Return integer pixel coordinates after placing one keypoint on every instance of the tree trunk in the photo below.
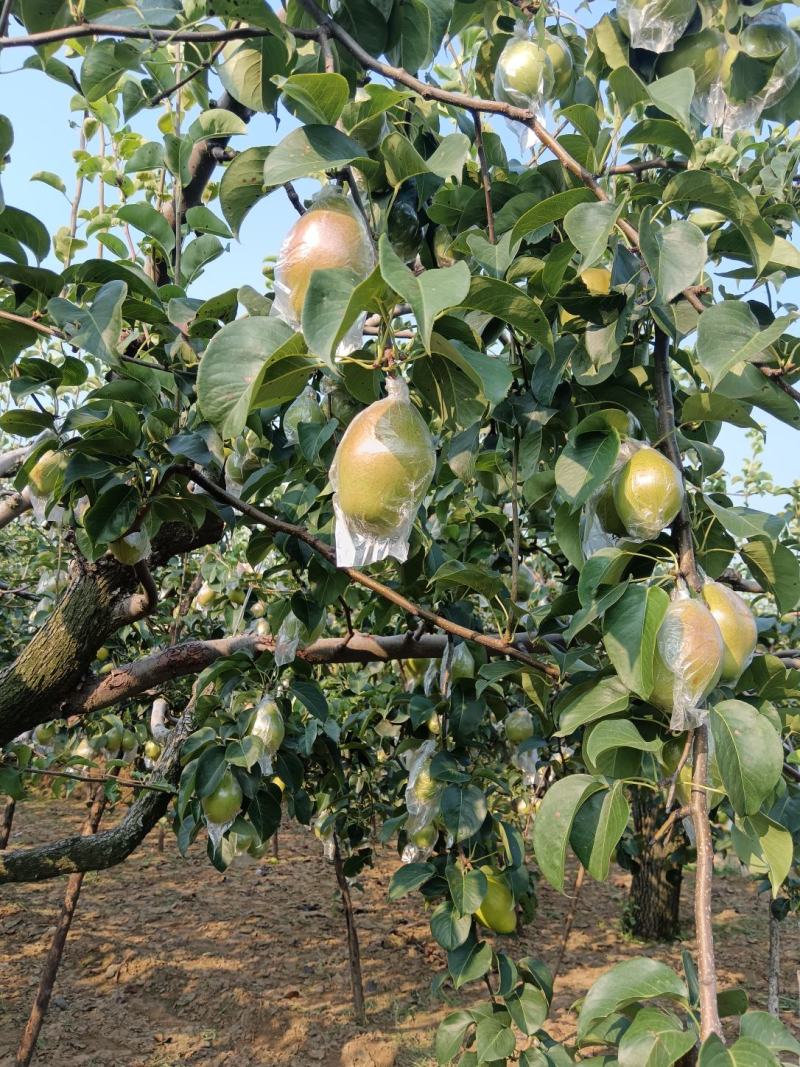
(774, 967)
(7, 821)
(353, 951)
(654, 899)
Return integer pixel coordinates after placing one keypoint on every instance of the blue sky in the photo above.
(44, 141)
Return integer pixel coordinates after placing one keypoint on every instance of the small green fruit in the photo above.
(225, 803)
(268, 725)
(128, 741)
(737, 626)
(426, 836)
(524, 73)
(648, 493)
(519, 726)
(46, 472)
(205, 595)
(497, 909)
(425, 786)
(102, 654)
(304, 409)
(642, 20)
(607, 514)
(44, 733)
(520, 805)
(131, 549)
(113, 739)
(152, 750)
(561, 57)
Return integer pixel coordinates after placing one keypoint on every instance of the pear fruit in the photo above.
(425, 785)
(607, 514)
(561, 58)
(330, 234)
(383, 465)
(648, 493)
(524, 73)
(304, 409)
(497, 909)
(131, 549)
(268, 725)
(689, 651)
(152, 750)
(426, 836)
(519, 725)
(642, 20)
(44, 733)
(769, 39)
(737, 626)
(45, 473)
(225, 803)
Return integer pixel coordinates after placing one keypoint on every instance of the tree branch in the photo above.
(145, 33)
(166, 93)
(100, 851)
(485, 178)
(299, 533)
(11, 461)
(14, 505)
(736, 581)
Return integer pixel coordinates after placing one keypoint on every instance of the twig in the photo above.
(8, 821)
(669, 822)
(324, 550)
(704, 931)
(145, 33)
(515, 533)
(353, 951)
(76, 200)
(128, 783)
(485, 177)
(774, 964)
(673, 779)
(294, 199)
(570, 919)
(186, 79)
(640, 166)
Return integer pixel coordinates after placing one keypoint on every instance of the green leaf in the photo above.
(730, 198)
(777, 569)
(469, 961)
(763, 1027)
(26, 229)
(248, 69)
(629, 635)
(749, 754)
(729, 333)
(584, 465)
(233, 370)
(48, 178)
(598, 828)
(765, 847)
(494, 1039)
(467, 887)
(511, 305)
(742, 1053)
(528, 1007)
(321, 96)
(112, 514)
(309, 150)
(589, 702)
(146, 218)
(654, 1039)
(96, 328)
(463, 809)
(714, 407)
(450, 1036)
(744, 522)
(103, 66)
(24, 423)
(625, 984)
(408, 878)
(242, 185)
(453, 574)
(661, 132)
(550, 210)
(675, 255)
(325, 308)
(449, 928)
(553, 824)
(589, 226)
(673, 95)
(429, 296)
(254, 12)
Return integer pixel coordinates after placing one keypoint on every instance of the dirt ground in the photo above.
(171, 964)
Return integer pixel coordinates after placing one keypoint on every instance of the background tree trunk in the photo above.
(653, 912)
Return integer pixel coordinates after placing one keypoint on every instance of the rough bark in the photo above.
(653, 912)
(7, 822)
(353, 951)
(774, 965)
(14, 505)
(97, 852)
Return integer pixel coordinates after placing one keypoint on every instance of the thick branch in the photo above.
(736, 581)
(299, 533)
(11, 507)
(99, 851)
(144, 33)
(11, 461)
(704, 932)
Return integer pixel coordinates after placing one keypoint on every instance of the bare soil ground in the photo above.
(171, 964)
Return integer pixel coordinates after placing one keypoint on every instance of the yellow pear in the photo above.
(689, 652)
(497, 909)
(648, 493)
(519, 725)
(737, 626)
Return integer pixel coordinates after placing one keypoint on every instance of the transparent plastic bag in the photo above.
(304, 409)
(524, 77)
(655, 495)
(526, 760)
(216, 831)
(456, 663)
(323, 829)
(688, 662)
(422, 803)
(768, 35)
(269, 728)
(380, 473)
(332, 233)
(288, 640)
(656, 25)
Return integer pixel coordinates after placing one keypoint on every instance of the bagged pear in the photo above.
(304, 409)
(737, 626)
(380, 474)
(525, 76)
(656, 25)
(331, 234)
(688, 660)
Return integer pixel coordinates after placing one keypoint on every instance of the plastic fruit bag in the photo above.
(380, 474)
(304, 409)
(688, 660)
(656, 25)
(288, 640)
(269, 728)
(332, 233)
(524, 77)
(422, 803)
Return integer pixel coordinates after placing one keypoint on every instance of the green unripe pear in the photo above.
(677, 13)
(648, 493)
(402, 227)
(44, 733)
(102, 654)
(152, 750)
(497, 909)
(45, 473)
(330, 235)
(225, 803)
(524, 73)
(132, 548)
(425, 786)
(702, 53)
(737, 626)
(434, 724)
(426, 836)
(128, 741)
(607, 514)
(205, 595)
(112, 740)
(520, 805)
(771, 40)
(688, 647)
(561, 57)
(383, 466)
(519, 726)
